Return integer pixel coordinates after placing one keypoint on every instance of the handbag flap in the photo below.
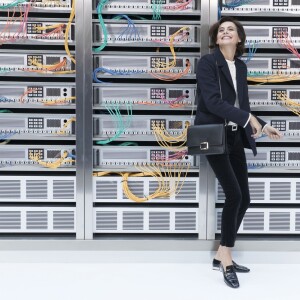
(212, 133)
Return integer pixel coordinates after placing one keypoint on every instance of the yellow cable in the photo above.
(72, 15)
(51, 165)
(64, 128)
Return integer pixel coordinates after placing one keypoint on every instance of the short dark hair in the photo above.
(213, 32)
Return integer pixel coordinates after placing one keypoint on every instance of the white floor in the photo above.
(143, 275)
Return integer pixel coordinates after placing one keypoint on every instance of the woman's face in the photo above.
(227, 35)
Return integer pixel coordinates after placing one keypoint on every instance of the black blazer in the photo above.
(211, 108)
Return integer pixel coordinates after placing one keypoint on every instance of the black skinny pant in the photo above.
(231, 171)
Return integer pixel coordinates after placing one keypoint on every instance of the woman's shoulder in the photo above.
(240, 63)
(208, 57)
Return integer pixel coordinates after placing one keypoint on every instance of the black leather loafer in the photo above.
(230, 277)
(237, 268)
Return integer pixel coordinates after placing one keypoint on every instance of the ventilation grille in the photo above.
(253, 221)
(297, 221)
(37, 220)
(188, 190)
(298, 191)
(269, 190)
(219, 220)
(133, 220)
(32, 219)
(257, 191)
(267, 221)
(10, 220)
(106, 220)
(146, 220)
(185, 221)
(280, 191)
(63, 220)
(153, 185)
(159, 221)
(106, 190)
(63, 189)
(136, 188)
(10, 189)
(279, 221)
(36, 189)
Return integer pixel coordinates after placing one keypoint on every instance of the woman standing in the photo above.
(222, 94)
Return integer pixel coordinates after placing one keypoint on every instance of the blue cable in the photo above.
(71, 155)
(4, 99)
(112, 72)
(130, 29)
(236, 3)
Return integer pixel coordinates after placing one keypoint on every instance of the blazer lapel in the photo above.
(223, 66)
(239, 82)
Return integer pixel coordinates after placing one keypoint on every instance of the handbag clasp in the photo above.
(204, 146)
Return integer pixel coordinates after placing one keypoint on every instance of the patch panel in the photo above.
(263, 8)
(268, 35)
(268, 190)
(271, 98)
(36, 32)
(126, 158)
(141, 127)
(146, 6)
(145, 220)
(143, 96)
(37, 95)
(145, 65)
(147, 33)
(31, 62)
(42, 5)
(37, 189)
(274, 160)
(109, 189)
(20, 157)
(267, 221)
(33, 126)
(273, 64)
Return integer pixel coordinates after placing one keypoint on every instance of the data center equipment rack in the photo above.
(144, 55)
(273, 40)
(38, 197)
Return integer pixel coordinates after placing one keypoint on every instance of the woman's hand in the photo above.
(256, 127)
(272, 132)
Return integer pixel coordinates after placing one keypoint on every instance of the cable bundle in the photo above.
(236, 3)
(66, 157)
(273, 78)
(160, 173)
(165, 139)
(115, 113)
(288, 103)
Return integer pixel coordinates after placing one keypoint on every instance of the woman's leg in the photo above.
(239, 164)
(224, 172)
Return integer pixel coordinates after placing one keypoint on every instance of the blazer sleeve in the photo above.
(262, 122)
(208, 84)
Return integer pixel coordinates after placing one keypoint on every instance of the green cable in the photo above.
(157, 7)
(13, 4)
(118, 121)
(5, 111)
(125, 144)
(102, 24)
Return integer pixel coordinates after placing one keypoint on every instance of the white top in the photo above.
(232, 69)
